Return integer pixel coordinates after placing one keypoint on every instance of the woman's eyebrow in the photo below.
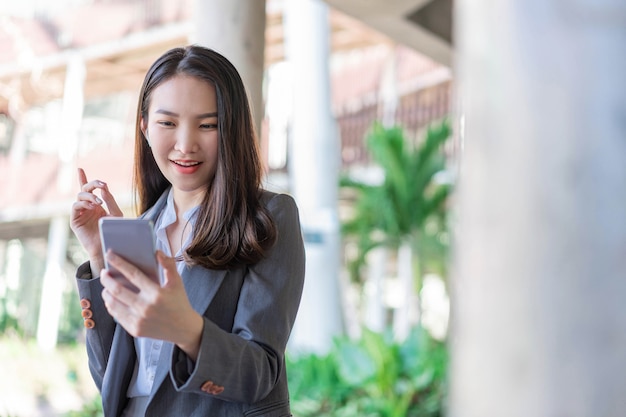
(173, 114)
(166, 112)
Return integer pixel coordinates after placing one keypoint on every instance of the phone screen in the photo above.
(133, 240)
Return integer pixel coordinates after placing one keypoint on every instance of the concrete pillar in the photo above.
(388, 90)
(375, 309)
(71, 120)
(67, 130)
(236, 29)
(538, 317)
(313, 169)
(53, 284)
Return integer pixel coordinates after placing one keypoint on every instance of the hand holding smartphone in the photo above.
(133, 240)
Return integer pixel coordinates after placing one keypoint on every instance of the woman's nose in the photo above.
(186, 141)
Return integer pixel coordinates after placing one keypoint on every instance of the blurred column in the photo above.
(53, 284)
(236, 29)
(313, 169)
(539, 289)
(68, 130)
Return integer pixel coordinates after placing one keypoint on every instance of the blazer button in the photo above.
(87, 313)
(207, 386)
(212, 388)
(89, 323)
(85, 303)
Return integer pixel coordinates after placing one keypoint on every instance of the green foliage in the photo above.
(372, 376)
(21, 282)
(8, 321)
(409, 205)
(71, 322)
(92, 408)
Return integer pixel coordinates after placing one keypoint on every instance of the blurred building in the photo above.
(70, 72)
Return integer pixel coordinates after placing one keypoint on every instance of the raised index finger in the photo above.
(82, 177)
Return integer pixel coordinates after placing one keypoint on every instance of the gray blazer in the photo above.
(248, 315)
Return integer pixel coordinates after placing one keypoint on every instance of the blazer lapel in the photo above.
(201, 286)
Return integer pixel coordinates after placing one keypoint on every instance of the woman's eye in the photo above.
(208, 126)
(166, 123)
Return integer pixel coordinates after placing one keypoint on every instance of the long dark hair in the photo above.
(232, 227)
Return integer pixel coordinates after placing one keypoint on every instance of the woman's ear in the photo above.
(144, 129)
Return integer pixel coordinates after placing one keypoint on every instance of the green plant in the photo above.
(8, 321)
(371, 376)
(91, 408)
(409, 205)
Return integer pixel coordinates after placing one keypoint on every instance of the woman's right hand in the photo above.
(86, 211)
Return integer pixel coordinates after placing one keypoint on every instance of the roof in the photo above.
(36, 51)
(34, 55)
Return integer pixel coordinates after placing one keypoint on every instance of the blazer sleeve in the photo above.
(99, 337)
(248, 361)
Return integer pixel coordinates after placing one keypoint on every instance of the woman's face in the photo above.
(182, 131)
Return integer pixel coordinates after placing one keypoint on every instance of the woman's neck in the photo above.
(185, 201)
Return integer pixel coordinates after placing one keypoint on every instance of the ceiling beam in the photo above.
(402, 22)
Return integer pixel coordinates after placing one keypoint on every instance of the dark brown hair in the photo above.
(232, 227)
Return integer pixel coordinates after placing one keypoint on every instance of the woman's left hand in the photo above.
(156, 311)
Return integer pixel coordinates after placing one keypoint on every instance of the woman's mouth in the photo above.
(186, 167)
(186, 163)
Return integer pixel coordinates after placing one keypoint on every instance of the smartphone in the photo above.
(133, 240)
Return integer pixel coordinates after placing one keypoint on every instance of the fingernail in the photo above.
(101, 184)
(98, 200)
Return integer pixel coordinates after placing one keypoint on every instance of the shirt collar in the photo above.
(168, 216)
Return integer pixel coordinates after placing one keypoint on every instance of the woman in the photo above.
(210, 340)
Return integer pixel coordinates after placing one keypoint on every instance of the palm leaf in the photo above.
(399, 206)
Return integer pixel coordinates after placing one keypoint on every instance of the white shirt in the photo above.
(149, 350)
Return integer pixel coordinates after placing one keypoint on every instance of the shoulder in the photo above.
(277, 203)
(283, 211)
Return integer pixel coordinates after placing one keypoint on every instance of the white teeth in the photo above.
(186, 164)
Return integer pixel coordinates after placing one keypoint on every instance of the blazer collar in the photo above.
(201, 286)
(154, 211)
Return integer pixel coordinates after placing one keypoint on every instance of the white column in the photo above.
(375, 309)
(53, 284)
(236, 29)
(313, 169)
(67, 130)
(539, 289)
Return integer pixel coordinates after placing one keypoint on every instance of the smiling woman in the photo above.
(181, 129)
(210, 338)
